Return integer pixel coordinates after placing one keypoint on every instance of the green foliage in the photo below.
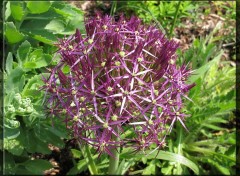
(162, 12)
(12, 34)
(27, 129)
(41, 21)
(31, 28)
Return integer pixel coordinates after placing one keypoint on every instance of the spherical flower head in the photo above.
(124, 75)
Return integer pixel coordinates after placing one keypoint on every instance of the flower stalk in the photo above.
(114, 161)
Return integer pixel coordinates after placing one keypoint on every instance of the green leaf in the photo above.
(9, 164)
(37, 59)
(10, 133)
(149, 170)
(124, 166)
(33, 144)
(66, 69)
(76, 153)
(23, 51)
(7, 11)
(59, 131)
(13, 80)
(33, 83)
(47, 136)
(55, 26)
(12, 34)
(38, 166)
(169, 156)
(9, 63)
(78, 168)
(36, 29)
(202, 70)
(17, 10)
(37, 7)
(43, 36)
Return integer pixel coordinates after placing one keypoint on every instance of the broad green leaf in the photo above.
(10, 133)
(17, 10)
(23, 51)
(38, 166)
(21, 170)
(12, 34)
(47, 136)
(37, 7)
(35, 29)
(44, 36)
(9, 164)
(13, 80)
(40, 62)
(33, 83)
(9, 63)
(55, 26)
(59, 131)
(32, 93)
(33, 144)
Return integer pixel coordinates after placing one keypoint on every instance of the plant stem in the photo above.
(175, 19)
(179, 170)
(114, 161)
(91, 164)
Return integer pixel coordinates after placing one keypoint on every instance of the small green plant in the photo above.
(30, 30)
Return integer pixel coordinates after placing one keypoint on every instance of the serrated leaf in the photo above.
(12, 34)
(55, 26)
(9, 63)
(37, 166)
(23, 51)
(36, 79)
(17, 10)
(37, 7)
(35, 29)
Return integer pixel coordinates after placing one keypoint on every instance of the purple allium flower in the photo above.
(123, 77)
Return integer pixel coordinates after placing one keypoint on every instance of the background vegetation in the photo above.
(35, 143)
